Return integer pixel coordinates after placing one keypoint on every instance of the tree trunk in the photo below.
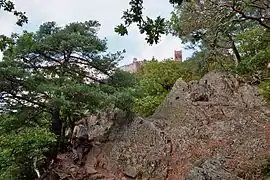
(56, 121)
(235, 51)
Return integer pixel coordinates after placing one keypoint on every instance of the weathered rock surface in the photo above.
(216, 128)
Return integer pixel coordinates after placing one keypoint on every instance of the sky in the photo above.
(108, 13)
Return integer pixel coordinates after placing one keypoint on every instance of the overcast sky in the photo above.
(108, 13)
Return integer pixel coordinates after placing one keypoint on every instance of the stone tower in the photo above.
(178, 56)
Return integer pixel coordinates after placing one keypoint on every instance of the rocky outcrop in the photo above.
(215, 128)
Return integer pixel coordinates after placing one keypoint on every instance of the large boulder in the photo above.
(214, 128)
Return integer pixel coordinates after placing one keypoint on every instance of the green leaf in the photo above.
(121, 30)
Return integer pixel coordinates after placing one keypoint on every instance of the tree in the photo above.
(152, 28)
(48, 80)
(257, 11)
(215, 26)
(156, 80)
(56, 61)
(222, 29)
(212, 27)
(24, 140)
(254, 45)
(9, 6)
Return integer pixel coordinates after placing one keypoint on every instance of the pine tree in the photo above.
(49, 79)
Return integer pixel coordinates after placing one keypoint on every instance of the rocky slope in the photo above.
(215, 128)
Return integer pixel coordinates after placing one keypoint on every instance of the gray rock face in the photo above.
(210, 169)
(215, 128)
(100, 125)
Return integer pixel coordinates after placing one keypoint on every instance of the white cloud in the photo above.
(5, 26)
(108, 13)
(164, 49)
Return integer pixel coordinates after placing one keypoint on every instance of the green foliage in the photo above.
(54, 64)
(254, 45)
(265, 89)
(147, 105)
(223, 14)
(164, 74)
(266, 168)
(152, 28)
(122, 87)
(9, 6)
(156, 80)
(122, 79)
(216, 27)
(21, 141)
(230, 39)
(49, 79)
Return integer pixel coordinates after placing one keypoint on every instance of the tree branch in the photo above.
(90, 64)
(27, 100)
(240, 12)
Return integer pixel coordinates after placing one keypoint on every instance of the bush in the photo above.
(20, 147)
(156, 80)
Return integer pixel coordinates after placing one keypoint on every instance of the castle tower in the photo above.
(135, 65)
(178, 56)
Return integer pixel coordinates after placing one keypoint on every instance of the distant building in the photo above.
(136, 65)
(133, 67)
(178, 56)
